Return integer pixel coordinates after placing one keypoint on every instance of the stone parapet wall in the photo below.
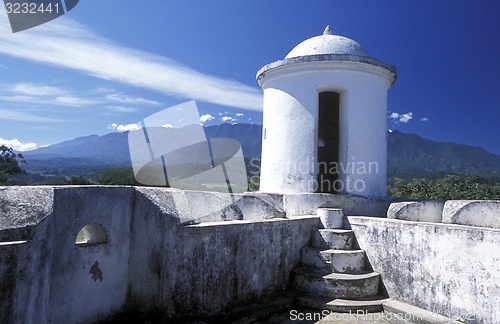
(449, 269)
(308, 203)
(144, 250)
(481, 213)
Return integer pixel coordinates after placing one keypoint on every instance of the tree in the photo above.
(9, 164)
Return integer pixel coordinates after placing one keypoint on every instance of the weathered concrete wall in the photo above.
(234, 262)
(307, 204)
(151, 259)
(482, 213)
(418, 211)
(24, 263)
(453, 270)
(188, 270)
(21, 209)
(156, 244)
(201, 206)
(93, 275)
(25, 278)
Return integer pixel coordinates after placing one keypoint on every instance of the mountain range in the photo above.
(409, 155)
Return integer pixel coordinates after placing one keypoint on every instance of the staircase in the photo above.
(333, 275)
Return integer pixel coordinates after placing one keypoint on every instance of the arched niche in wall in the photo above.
(92, 234)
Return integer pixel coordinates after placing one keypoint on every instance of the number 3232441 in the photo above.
(31, 8)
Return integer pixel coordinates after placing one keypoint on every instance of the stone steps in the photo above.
(336, 285)
(333, 274)
(333, 260)
(369, 304)
(332, 238)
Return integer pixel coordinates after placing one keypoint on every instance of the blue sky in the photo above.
(106, 65)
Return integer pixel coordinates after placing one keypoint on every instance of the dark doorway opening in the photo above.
(328, 142)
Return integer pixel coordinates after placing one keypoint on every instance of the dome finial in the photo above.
(328, 30)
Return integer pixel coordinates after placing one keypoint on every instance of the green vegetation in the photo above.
(9, 164)
(253, 173)
(117, 176)
(254, 184)
(110, 176)
(445, 187)
(77, 181)
(439, 186)
(80, 238)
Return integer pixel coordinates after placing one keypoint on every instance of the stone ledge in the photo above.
(414, 314)
(420, 211)
(23, 207)
(482, 213)
(245, 225)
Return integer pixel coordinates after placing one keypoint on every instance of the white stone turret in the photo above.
(325, 119)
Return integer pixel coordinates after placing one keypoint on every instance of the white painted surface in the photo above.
(332, 218)
(327, 44)
(482, 213)
(418, 211)
(307, 204)
(450, 269)
(290, 118)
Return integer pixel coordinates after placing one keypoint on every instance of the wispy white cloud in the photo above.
(39, 94)
(74, 101)
(67, 44)
(123, 128)
(228, 119)
(48, 101)
(31, 89)
(424, 119)
(20, 99)
(124, 109)
(17, 145)
(206, 117)
(239, 115)
(167, 126)
(7, 114)
(120, 97)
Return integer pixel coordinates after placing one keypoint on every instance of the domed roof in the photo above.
(333, 51)
(327, 44)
